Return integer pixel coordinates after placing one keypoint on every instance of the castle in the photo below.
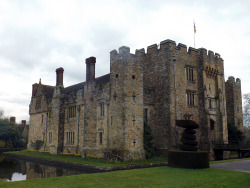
(161, 86)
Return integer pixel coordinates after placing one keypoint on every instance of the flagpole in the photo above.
(194, 33)
(194, 39)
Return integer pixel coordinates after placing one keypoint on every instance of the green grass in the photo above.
(148, 177)
(89, 160)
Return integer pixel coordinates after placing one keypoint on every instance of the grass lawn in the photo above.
(88, 160)
(148, 177)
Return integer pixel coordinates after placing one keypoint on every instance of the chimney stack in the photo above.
(59, 76)
(23, 123)
(13, 120)
(34, 89)
(90, 68)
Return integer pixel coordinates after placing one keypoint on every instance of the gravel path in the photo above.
(242, 166)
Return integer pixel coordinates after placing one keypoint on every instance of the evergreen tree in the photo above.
(10, 135)
(148, 140)
(234, 134)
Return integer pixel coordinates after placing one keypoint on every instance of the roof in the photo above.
(74, 87)
(102, 79)
(48, 90)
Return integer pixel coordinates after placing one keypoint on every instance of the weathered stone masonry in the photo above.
(164, 84)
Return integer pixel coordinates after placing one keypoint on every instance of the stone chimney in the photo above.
(59, 76)
(13, 120)
(34, 89)
(90, 68)
(23, 123)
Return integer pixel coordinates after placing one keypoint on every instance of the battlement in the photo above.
(166, 45)
(124, 50)
(238, 80)
(232, 80)
(140, 51)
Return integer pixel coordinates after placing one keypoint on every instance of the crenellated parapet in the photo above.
(232, 80)
(123, 52)
(170, 45)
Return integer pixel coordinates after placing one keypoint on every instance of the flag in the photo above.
(194, 28)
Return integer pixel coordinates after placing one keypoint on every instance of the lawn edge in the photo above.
(80, 166)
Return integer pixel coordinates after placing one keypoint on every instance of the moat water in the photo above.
(16, 170)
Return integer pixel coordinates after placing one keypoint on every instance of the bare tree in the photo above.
(246, 110)
(1, 113)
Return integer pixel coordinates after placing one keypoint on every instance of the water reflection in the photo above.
(16, 170)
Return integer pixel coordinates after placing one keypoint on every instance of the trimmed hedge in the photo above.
(188, 159)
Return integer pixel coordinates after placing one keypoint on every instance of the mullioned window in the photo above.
(189, 73)
(72, 112)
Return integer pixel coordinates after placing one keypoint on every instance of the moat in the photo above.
(16, 170)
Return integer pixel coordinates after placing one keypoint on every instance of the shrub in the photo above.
(114, 154)
(188, 159)
(148, 140)
(38, 144)
(2, 143)
(234, 134)
(10, 134)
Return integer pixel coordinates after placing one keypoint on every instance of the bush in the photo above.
(2, 144)
(10, 134)
(234, 134)
(38, 144)
(188, 159)
(114, 154)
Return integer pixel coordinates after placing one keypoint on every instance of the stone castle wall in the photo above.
(167, 83)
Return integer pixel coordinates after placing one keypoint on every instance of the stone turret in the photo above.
(234, 102)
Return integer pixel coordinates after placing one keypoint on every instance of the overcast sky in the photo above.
(38, 36)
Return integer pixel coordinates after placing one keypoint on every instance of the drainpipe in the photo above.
(108, 124)
(224, 107)
(45, 131)
(174, 60)
(78, 109)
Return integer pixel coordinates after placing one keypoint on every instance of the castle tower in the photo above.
(126, 103)
(234, 102)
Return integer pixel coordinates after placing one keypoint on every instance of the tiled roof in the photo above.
(48, 90)
(103, 79)
(74, 87)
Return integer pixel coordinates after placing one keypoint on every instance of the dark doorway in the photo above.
(212, 132)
